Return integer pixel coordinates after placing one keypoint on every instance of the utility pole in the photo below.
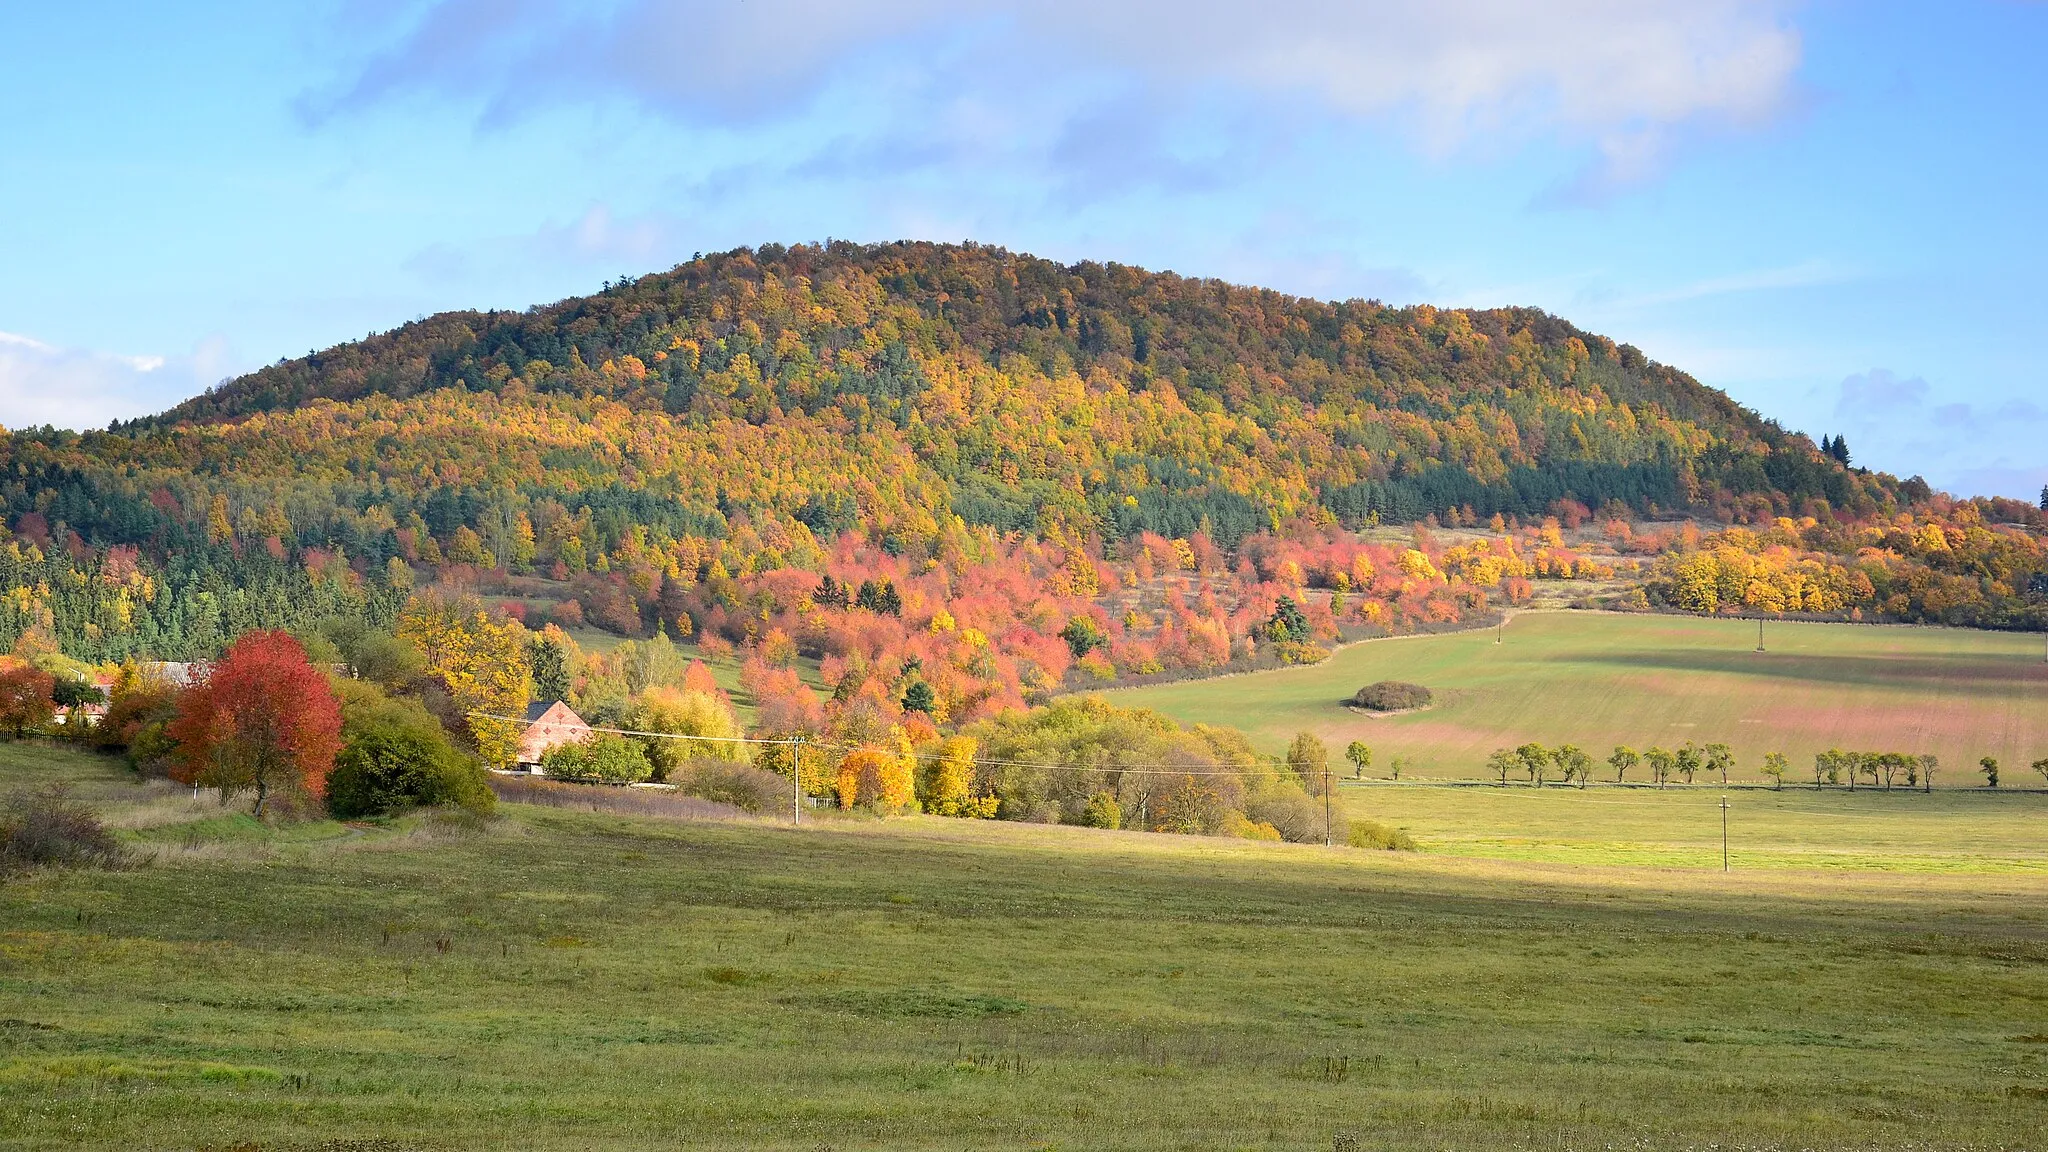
(1759, 633)
(796, 774)
(1724, 833)
(1326, 806)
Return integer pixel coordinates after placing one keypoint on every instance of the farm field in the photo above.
(1792, 830)
(565, 980)
(1598, 680)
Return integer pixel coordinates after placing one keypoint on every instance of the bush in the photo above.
(48, 828)
(743, 786)
(1391, 696)
(390, 766)
(1295, 814)
(600, 759)
(1384, 838)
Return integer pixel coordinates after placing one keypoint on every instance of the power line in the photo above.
(785, 742)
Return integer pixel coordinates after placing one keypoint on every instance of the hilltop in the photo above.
(971, 443)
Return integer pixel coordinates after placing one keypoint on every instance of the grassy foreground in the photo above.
(573, 980)
(1598, 680)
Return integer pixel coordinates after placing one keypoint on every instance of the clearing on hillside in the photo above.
(1598, 680)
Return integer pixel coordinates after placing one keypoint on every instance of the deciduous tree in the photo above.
(262, 720)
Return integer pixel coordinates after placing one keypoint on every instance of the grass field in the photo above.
(574, 980)
(1799, 830)
(1598, 680)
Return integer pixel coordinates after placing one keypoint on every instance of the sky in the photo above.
(1832, 210)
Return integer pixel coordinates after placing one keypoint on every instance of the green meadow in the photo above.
(569, 980)
(1598, 680)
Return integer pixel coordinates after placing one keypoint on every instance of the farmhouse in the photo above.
(549, 724)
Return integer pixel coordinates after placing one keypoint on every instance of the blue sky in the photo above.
(1831, 210)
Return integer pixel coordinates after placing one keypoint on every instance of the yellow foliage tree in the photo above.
(946, 781)
(880, 780)
(674, 712)
(481, 659)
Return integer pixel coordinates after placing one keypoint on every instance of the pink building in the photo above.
(549, 724)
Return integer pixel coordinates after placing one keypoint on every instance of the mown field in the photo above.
(1598, 680)
(579, 980)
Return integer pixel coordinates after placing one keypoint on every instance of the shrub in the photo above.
(1373, 834)
(47, 827)
(1391, 696)
(743, 786)
(391, 766)
(601, 759)
(1102, 812)
(1297, 816)
(135, 707)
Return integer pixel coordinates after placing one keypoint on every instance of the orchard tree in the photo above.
(26, 698)
(263, 720)
(1661, 761)
(1360, 757)
(1622, 759)
(1573, 762)
(1688, 761)
(1719, 758)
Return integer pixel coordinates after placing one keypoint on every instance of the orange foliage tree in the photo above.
(25, 698)
(264, 720)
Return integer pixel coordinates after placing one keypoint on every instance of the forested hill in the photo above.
(887, 385)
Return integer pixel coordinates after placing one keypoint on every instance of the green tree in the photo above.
(1360, 756)
(1688, 761)
(2041, 766)
(1502, 762)
(603, 759)
(1989, 766)
(1622, 759)
(1719, 758)
(919, 697)
(550, 668)
(1775, 766)
(1536, 759)
(1929, 764)
(1287, 624)
(1574, 764)
(1661, 761)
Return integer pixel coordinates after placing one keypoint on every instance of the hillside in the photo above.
(1022, 471)
(924, 378)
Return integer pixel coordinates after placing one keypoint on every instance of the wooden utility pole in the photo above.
(1759, 633)
(1724, 833)
(796, 774)
(1326, 806)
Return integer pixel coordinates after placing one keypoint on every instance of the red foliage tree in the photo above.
(25, 698)
(263, 720)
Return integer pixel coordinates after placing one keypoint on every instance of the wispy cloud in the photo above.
(1806, 274)
(1619, 79)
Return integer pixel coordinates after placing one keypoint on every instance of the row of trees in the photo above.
(1568, 763)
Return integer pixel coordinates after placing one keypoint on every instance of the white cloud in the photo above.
(1616, 78)
(80, 388)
